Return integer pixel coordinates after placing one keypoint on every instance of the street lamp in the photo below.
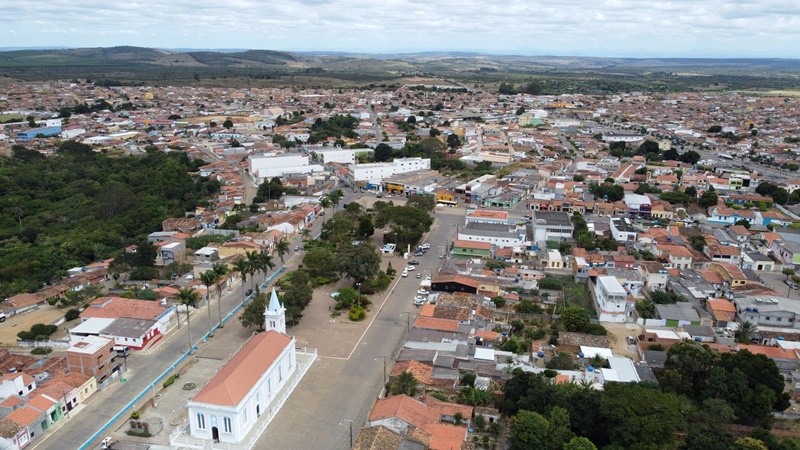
(350, 422)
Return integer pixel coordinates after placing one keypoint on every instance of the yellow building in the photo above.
(229, 249)
(446, 196)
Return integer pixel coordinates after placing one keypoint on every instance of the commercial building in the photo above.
(497, 234)
(27, 135)
(374, 173)
(340, 155)
(265, 166)
(622, 230)
(551, 226)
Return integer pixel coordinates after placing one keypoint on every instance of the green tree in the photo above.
(147, 294)
(743, 222)
(188, 297)
(579, 443)
(691, 192)
(748, 443)
(320, 261)
(383, 152)
(365, 227)
(708, 199)
(788, 271)
(698, 242)
(575, 318)
(253, 314)
(780, 196)
(528, 430)
(423, 202)
(358, 262)
(453, 142)
(641, 418)
(228, 123)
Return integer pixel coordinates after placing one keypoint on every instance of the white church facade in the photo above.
(255, 381)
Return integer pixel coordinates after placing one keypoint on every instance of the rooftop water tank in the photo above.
(540, 354)
(590, 369)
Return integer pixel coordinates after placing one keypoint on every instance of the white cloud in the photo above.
(768, 28)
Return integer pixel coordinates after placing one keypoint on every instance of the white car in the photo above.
(425, 246)
(420, 298)
(419, 302)
(405, 273)
(428, 278)
(423, 292)
(410, 268)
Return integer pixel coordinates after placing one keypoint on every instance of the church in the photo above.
(229, 405)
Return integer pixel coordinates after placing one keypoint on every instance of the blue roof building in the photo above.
(27, 135)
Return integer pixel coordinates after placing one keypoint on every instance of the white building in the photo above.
(551, 226)
(340, 155)
(375, 172)
(622, 137)
(612, 300)
(229, 406)
(499, 235)
(265, 166)
(72, 132)
(622, 230)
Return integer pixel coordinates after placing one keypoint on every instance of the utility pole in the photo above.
(351, 432)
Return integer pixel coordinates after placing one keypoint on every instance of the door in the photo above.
(215, 434)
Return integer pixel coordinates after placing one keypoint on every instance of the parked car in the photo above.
(296, 247)
(791, 284)
(419, 302)
(248, 292)
(428, 278)
(410, 268)
(423, 292)
(425, 246)
(419, 253)
(335, 294)
(419, 275)
(405, 273)
(413, 262)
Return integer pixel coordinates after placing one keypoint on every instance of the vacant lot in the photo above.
(6, 117)
(23, 322)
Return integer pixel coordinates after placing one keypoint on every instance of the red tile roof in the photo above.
(436, 324)
(114, 307)
(240, 374)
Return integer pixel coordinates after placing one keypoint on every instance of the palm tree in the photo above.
(334, 196)
(252, 262)
(745, 330)
(305, 233)
(788, 271)
(325, 203)
(266, 263)
(405, 383)
(220, 269)
(282, 248)
(208, 278)
(188, 297)
(242, 267)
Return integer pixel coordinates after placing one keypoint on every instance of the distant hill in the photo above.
(267, 67)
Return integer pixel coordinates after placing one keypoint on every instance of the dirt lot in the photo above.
(24, 321)
(616, 335)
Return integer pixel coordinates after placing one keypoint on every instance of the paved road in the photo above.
(338, 390)
(142, 370)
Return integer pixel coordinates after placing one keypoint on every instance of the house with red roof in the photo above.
(403, 415)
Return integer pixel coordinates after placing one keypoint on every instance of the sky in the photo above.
(617, 28)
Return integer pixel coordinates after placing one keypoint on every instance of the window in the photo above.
(226, 423)
(201, 421)
(244, 414)
(280, 372)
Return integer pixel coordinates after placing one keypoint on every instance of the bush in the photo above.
(135, 415)
(170, 381)
(41, 351)
(138, 433)
(595, 329)
(553, 340)
(499, 301)
(357, 313)
(39, 331)
(656, 347)
(550, 373)
(72, 314)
